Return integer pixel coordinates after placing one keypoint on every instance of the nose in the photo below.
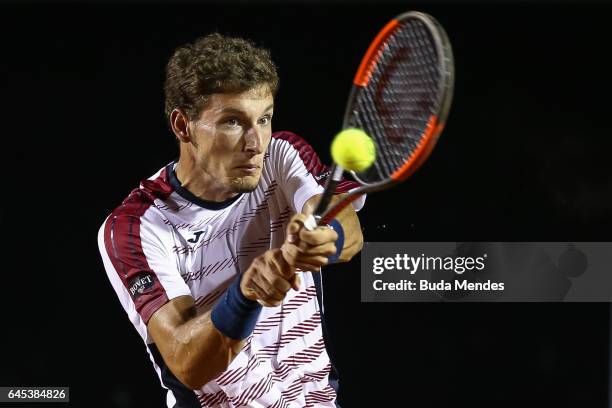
(252, 141)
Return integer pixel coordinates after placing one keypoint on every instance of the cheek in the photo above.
(266, 139)
(222, 144)
(229, 142)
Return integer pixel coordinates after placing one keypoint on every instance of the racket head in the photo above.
(401, 96)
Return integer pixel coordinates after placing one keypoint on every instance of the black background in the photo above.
(525, 156)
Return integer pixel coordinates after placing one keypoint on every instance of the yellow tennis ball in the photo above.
(353, 149)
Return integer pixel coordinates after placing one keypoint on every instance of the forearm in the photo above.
(198, 348)
(200, 352)
(192, 347)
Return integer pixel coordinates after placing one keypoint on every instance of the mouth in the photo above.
(248, 168)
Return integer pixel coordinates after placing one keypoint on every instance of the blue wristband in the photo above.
(234, 315)
(339, 242)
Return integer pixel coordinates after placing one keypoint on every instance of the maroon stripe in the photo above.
(208, 298)
(298, 300)
(307, 355)
(289, 394)
(255, 391)
(124, 247)
(264, 385)
(299, 330)
(346, 185)
(328, 394)
(216, 267)
(210, 399)
(295, 389)
(317, 376)
(306, 152)
(212, 300)
(278, 375)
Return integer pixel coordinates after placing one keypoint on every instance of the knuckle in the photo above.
(330, 249)
(267, 303)
(295, 249)
(318, 261)
(258, 261)
(277, 281)
(276, 297)
(264, 259)
(271, 298)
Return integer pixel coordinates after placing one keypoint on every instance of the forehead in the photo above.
(253, 101)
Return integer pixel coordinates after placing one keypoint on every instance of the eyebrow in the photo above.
(240, 111)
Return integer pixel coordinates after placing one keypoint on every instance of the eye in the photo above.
(232, 122)
(265, 120)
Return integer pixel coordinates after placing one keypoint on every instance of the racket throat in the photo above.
(330, 188)
(336, 173)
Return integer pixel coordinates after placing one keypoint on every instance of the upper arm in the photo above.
(141, 270)
(136, 248)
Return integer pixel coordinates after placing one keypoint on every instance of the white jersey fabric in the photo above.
(162, 242)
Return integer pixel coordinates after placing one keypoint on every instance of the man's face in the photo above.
(230, 137)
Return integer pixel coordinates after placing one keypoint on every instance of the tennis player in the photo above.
(209, 257)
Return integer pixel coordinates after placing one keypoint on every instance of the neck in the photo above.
(200, 183)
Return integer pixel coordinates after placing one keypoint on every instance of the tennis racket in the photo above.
(401, 96)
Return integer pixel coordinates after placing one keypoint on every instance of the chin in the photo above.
(245, 184)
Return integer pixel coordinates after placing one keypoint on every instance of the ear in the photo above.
(179, 122)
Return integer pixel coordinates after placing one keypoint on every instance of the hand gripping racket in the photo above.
(401, 96)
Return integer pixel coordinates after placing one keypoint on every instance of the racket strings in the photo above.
(383, 165)
(412, 86)
(396, 105)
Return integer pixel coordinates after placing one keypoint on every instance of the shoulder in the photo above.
(289, 140)
(139, 207)
(296, 150)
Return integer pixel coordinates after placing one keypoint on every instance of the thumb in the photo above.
(294, 227)
(295, 282)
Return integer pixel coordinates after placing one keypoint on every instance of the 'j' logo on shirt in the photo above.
(197, 236)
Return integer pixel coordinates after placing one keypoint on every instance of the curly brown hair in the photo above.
(215, 64)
